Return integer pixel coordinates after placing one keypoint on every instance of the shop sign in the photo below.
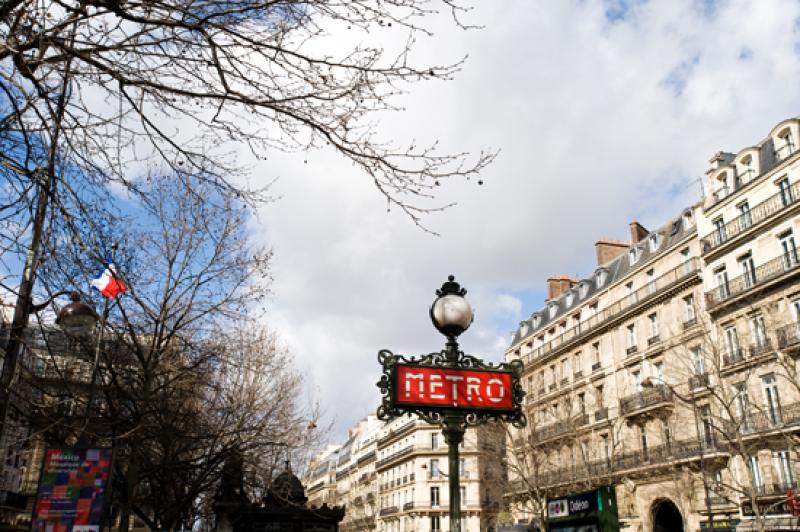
(719, 525)
(574, 504)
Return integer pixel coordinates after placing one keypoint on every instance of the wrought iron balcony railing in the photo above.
(650, 397)
(754, 216)
(770, 270)
(766, 420)
(788, 335)
(700, 380)
(618, 308)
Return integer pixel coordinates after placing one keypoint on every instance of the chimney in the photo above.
(608, 250)
(638, 232)
(557, 285)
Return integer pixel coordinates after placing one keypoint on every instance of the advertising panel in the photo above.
(72, 490)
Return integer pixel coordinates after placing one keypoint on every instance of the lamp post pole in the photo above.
(453, 431)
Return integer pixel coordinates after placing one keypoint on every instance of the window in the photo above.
(796, 310)
(698, 364)
(658, 372)
(686, 261)
(564, 369)
(463, 498)
(655, 241)
(600, 278)
(651, 281)
(633, 255)
(434, 467)
(606, 448)
(578, 366)
(576, 320)
(435, 496)
(435, 526)
(596, 354)
(755, 472)
(643, 439)
(759, 332)
(688, 305)
(582, 403)
(636, 380)
(435, 438)
(462, 467)
(570, 297)
(745, 217)
(771, 400)
(688, 219)
(747, 171)
(748, 269)
(552, 309)
(785, 191)
(786, 145)
(742, 403)
(789, 249)
(631, 335)
(720, 234)
(783, 465)
(598, 395)
(653, 320)
(707, 425)
(723, 290)
(732, 340)
(631, 297)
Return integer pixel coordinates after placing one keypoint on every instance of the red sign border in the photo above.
(427, 407)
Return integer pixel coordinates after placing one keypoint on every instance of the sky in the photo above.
(603, 112)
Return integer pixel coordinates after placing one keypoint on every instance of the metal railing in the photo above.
(392, 457)
(595, 366)
(659, 393)
(768, 271)
(617, 308)
(653, 340)
(408, 506)
(757, 214)
(601, 414)
(559, 428)
(788, 335)
(733, 356)
(389, 510)
(631, 350)
(699, 380)
(756, 421)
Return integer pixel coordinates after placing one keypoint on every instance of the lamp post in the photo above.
(449, 388)
(451, 314)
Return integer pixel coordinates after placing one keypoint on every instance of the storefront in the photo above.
(591, 511)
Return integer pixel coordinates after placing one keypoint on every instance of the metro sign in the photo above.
(422, 386)
(431, 387)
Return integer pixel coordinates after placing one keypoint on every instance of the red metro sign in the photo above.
(471, 389)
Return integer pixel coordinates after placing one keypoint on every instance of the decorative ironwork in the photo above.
(436, 414)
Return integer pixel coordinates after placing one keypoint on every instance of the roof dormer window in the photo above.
(523, 328)
(746, 170)
(688, 219)
(633, 255)
(570, 298)
(552, 308)
(655, 241)
(600, 278)
(583, 289)
(537, 320)
(786, 144)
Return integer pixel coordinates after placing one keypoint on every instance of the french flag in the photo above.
(109, 284)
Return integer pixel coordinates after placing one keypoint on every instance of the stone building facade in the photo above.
(392, 477)
(671, 372)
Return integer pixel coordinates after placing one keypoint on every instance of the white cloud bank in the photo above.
(604, 112)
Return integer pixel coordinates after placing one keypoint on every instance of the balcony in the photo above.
(601, 414)
(653, 340)
(788, 335)
(688, 324)
(769, 271)
(651, 398)
(559, 428)
(389, 510)
(619, 308)
(552, 387)
(564, 381)
(761, 420)
(732, 357)
(578, 374)
(595, 366)
(760, 212)
(699, 380)
(631, 350)
(395, 456)
(408, 506)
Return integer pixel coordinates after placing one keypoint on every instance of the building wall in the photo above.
(394, 479)
(663, 377)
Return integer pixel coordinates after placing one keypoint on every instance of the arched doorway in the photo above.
(667, 517)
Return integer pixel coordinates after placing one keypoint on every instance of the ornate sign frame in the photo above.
(436, 413)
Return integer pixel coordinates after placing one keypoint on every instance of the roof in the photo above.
(669, 234)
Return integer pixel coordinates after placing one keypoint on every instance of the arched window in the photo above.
(570, 297)
(633, 255)
(688, 219)
(523, 328)
(785, 145)
(583, 289)
(537, 319)
(552, 309)
(600, 277)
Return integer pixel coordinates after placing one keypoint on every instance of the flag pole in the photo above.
(82, 439)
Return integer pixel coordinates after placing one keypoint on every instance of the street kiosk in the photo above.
(591, 511)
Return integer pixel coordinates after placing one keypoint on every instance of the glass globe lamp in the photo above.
(451, 314)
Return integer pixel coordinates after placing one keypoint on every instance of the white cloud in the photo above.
(600, 121)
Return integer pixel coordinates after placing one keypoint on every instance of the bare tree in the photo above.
(184, 380)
